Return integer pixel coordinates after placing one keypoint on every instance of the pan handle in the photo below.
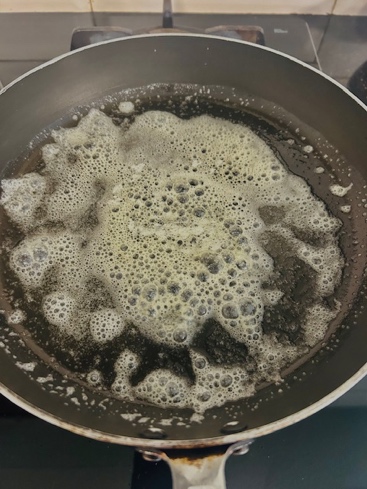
(200, 471)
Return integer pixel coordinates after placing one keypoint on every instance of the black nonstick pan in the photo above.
(290, 99)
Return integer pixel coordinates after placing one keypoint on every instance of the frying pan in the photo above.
(295, 96)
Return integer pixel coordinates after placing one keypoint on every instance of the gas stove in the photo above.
(291, 35)
(327, 450)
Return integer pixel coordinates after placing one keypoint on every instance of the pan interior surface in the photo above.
(47, 373)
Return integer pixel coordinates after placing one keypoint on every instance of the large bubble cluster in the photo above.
(169, 215)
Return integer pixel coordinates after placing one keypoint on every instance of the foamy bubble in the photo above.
(31, 259)
(22, 197)
(346, 208)
(340, 191)
(58, 308)
(214, 386)
(272, 297)
(125, 366)
(162, 387)
(159, 225)
(318, 318)
(126, 107)
(16, 317)
(105, 325)
(94, 378)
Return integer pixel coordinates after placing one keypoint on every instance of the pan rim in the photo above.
(185, 34)
(188, 443)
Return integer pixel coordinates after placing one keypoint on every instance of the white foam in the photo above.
(16, 317)
(59, 308)
(272, 297)
(340, 191)
(346, 208)
(214, 386)
(106, 324)
(162, 387)
(28, 366)
(38, 253)
(130, 416)
(167, 216)
(318, 319)
(43, 380)
(125, 366)
(22, 197)
(94, 377)
(126, 107)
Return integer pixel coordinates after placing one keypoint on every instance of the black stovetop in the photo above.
(325, 451)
